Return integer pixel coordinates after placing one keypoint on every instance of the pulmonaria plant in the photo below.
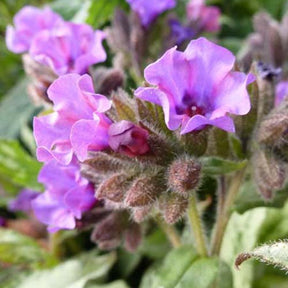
(281, 92)
(66, 197)
(23, 200)
(78, 123)
(197, 87)
(29, 22)
(148, 11)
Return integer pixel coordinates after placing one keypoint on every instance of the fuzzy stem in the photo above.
(170, 232)
(197, 225)
(224, 211)
(54, 245)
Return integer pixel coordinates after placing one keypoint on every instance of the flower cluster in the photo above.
(63, 46)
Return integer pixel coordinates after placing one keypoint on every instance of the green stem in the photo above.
(54, 245)
(197, 226)
(170, 232)
(224, 212)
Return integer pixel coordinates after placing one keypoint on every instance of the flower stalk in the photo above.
(197, 225)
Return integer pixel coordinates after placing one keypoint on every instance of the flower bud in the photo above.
(269, 173)
(184, 175)
(141, 213)
(109, 244)
(114, 188)
(128, 139)
(143, 191)
(132, 237)
(174, 207)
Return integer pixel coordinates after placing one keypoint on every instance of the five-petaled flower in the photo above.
(29, 22)
(197, 87)
(78, 123)
(66, 197)
(148, 11)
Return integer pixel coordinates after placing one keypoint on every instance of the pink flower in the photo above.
(28, 22)
(69, 48)
(148, 10)
(281, 92)
(127, 138)
(66, 197)
(78, 124)
(197, 87)
(206, 17)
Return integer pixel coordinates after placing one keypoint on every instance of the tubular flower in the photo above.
(197, 87)
(148, 11)
(206, 17)
(281, 92)
(28, 22)
(78, 123)
(23, 200)
(66, 197)
(71, 48)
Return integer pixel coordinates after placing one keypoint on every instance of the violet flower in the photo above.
(28, 22)
(148, 11)
(179, 32)
(23, 200)
(197, 87)
(78, 123)
(206, 17)
(127, 138)
(281, 92)
(66, 197)
(71, 48)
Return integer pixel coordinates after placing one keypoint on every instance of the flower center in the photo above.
(193, 110)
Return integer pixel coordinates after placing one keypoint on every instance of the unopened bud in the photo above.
(109, 244)
(196, 141)
(111, 228)
(108, 80)
(141, 213)
(184, 175)
(272, 128)
(143, 191)
(132, 237)
(174, 207)
(114, 188)
(269, 174)
(128, 139)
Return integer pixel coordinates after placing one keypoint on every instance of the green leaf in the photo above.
(16, 248)
(102, 10)
(17, 166)
(242, 235)
(219, 166)
(73, 273)
(275, 254)
(172, 269)
(115, 284)
(248, 198)
(15, 109)
(67, 8)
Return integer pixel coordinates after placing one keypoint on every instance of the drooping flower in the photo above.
(66, 197)
(71, 48)
(281, 92)
(28, 22)
(127, 138)
(148, 11)
(23, 200)
(197, 87)
(206, 17)
(78, 123)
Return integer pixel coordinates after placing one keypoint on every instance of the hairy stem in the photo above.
(224, 210)
(197, 225)
(170, 232)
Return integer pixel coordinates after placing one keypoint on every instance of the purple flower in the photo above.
(179, 32)
(206, 17)
(71, 48)
(66, 197)
(281, 92)
(28, 22)
(197, 87)
(148, 11)
(78, 123)
(127, 138)
(23, 200)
